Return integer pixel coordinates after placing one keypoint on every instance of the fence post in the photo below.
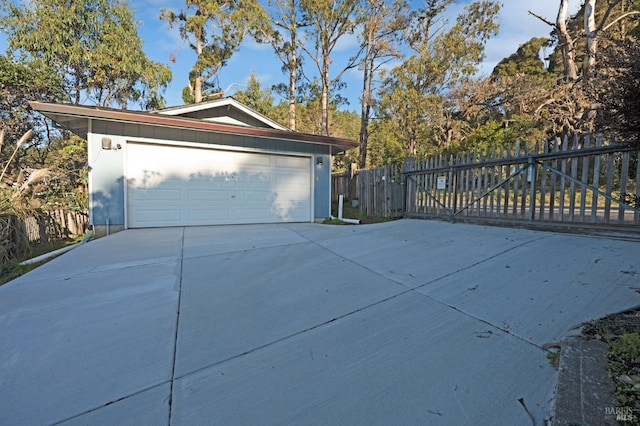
(531, 177)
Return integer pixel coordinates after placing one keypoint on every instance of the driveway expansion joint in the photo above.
(415, 289)
(91, 410)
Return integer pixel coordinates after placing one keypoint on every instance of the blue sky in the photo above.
(516, 27)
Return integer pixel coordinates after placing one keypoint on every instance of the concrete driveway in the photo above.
(406, 322)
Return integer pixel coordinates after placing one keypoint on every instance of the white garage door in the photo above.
(180, 186)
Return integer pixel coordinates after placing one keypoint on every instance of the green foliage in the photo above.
(329, 21)
(255, 97)
(497, 135)
(413, 98)
(624, 359)
(13, 269)
(90, 45)
(214, 30)
(21, 82)
(68, 187)
(385, 146)
(526, 61)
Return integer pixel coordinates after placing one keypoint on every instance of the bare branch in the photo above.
(545, 20)
(618, 19)
(544, 104)
(610, 7)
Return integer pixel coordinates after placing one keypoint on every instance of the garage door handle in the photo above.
(233, 196)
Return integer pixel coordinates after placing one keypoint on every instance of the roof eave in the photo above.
(76, 114)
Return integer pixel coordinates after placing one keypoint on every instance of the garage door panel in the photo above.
(300, 163)
(208, 216)
(156, 217)
(207, 195)
(253, 215)
(156, 195)
(262, 161)
(177, 186)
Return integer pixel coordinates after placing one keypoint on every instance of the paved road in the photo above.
(407, 322)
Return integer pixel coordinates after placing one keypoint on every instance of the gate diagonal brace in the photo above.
(587, 186)
(433, 197)
(493, 188)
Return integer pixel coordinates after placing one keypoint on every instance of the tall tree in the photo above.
(282, 32)
(615, 12)
(19, 84)
(520, 83)
(595, 28)
(214, 30)
(329, 21)
(92, 44)
(381, 37)
(413, 97)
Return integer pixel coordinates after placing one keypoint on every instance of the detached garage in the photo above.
(213, 163)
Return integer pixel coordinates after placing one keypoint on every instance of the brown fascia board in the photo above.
(154, 119)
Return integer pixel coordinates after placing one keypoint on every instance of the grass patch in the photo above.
(53, 245)
(622, 333)
(554, 359)
(350, 212)
(13, 269)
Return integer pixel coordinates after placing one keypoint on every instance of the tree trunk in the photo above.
(197, 84)
(566, 43)
(413, 146)
(293, 66)
(592, 41)
(325, 94)
(367, 89)
(197, 90)
(364, 134)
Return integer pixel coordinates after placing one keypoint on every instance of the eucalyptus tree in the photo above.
(414, 94)
(381, 38)
(282, 32)
(583, 31)
(573, 105)
(93, 45)
(214, 30)
(328, 22)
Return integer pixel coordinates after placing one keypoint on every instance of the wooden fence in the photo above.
(55, 224)
(17, 235)
(589, 182)
(579, 181)
(379, 191)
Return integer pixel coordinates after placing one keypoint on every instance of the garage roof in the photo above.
(75, 118)
(217, 104)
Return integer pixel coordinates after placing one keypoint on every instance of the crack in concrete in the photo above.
(175, 341)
